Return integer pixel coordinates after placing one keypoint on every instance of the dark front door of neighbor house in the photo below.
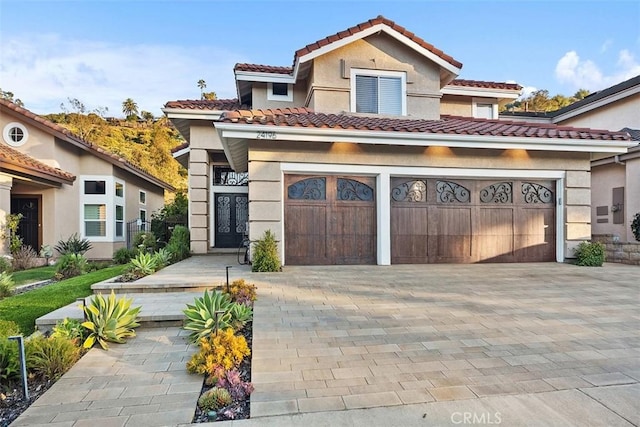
(232, 214)
(29, 227)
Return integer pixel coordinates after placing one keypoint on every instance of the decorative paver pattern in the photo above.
(386, 336)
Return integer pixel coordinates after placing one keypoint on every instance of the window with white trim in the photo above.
(142, 217)
(378, 92)
(142, 197)
(280, 92)
(102, 211)
(484, 110)
(15, 134)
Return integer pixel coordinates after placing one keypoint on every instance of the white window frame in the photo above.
(273, 97)
(110, 200)
(6, 134)
(143, 223)
(484, 101)
(378, 73)
(142, 194)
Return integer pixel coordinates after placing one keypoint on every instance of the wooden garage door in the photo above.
(465, 221)
(329, 220)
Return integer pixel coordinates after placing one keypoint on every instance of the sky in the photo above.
(102, 52)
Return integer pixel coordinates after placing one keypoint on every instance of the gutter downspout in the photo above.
(616, 160)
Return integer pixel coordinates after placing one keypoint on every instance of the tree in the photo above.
(10, 97)
(80, 121)
(202, 84)
(210, 96)
(130, 108)
(581, 94)
(147, 116)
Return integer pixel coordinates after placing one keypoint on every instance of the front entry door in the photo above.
(29, 226)
(232, 214)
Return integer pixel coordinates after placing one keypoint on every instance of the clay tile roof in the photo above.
(368, 24)
(206, 104)
(451, 125)
(71, 137)
(485, 84)
(11, 157)
(258, 68)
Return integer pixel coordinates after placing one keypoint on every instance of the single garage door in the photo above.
(465, 221)
(330, 220)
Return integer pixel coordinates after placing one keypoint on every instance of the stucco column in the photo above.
(6, 182)
(383, 206)
(199, 200)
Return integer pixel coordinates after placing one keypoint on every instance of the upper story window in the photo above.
(378, 92)
(119, 189)
(95, 187)
(142, 197)
(15, 134)
(484, 110)
(280, 92)
(223, 175)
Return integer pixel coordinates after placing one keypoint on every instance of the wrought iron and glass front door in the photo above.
(232, 214)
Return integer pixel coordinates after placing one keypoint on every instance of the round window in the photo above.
(15, 134)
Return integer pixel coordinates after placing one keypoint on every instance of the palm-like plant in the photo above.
(202, 84)
(129, 107)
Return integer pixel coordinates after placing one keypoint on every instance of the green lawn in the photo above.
(25, 308)
(33, 275)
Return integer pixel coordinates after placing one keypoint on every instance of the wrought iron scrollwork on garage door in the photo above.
(500, 192)
(451, 192)
(308, 189)
(410, 191)
(350, 189)
(536, 193)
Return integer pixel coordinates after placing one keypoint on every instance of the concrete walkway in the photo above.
(530, 344)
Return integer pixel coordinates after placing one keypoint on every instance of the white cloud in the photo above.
(578, 73)
(44, 70)
(606, 45)
(526, 91)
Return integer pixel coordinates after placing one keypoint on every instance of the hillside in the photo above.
(146, 144)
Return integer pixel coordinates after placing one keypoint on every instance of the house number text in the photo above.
(266, 135)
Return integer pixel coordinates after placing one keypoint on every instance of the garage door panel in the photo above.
(495, 234)
(306, 226)
(536, 236)
(453, 234)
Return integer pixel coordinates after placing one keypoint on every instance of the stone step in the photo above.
(157, 310)
(147, 287)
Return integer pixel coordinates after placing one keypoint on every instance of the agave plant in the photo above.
(201, 317)
(162, 257)
(109, 320)
(144, 264)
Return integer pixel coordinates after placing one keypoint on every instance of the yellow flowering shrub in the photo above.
(224, 349)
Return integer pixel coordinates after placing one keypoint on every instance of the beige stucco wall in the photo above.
(259, 99)
(605, 178)
(330, 81)
(6, 183)
(456, 106)
(265, 186)
(614, 116)
(199, 184)
(204, 135)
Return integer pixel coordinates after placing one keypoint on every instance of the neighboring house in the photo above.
(62, 185)
(615, 179)
(368, 150)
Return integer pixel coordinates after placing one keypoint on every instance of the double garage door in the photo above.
(332, 220)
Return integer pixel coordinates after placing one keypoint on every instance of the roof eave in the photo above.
(481, 92)
(232, 133)
(560, 116)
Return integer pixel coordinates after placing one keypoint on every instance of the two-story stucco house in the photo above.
(368, 149)
(62, 185)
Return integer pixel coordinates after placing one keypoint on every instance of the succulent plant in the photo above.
(109, 320)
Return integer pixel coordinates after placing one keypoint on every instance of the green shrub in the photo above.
(70, 329)
(97, 265)
(145, 241)
(109, 320)
(173, 213)
(201, 314)
(214, 399)
(10, 233)
(180, 244)
(51, 357)
(124, 255)
(6, 285)
(590, 254)
(635, 226)
(8, 328)
(70, 265)
(5, 264)
(9, 363)
(73, 245)
(265, 254)
(24, 258)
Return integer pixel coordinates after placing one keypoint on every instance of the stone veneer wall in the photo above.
(616, 251)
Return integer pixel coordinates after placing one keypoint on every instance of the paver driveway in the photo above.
(333, 338)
